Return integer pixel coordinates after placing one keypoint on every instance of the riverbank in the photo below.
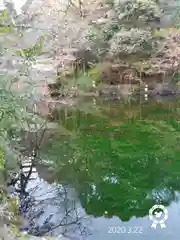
(160, 72)
(71, 70)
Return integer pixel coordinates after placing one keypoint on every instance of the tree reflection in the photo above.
(49, 209)
(53, 213)
(121, 168)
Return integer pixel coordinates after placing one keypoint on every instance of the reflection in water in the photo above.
(49, 209)
(121, 158)
(53, 210)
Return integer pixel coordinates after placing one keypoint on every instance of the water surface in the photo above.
(121, 158)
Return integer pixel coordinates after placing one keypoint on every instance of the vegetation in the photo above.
(141, 35)
(16, 115)
(128, 29)
(16, 110)
(138, 34)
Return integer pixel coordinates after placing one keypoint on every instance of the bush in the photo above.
(137, 11)
(96, 40)
(128, 29)
(131, 41)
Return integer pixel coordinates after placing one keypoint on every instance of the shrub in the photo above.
(131, 41)
(137, 11)
(128, 29)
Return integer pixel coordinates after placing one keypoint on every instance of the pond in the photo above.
(120, 159)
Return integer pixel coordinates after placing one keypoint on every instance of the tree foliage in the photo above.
(128, 28)
(137, 12)
(130, 42)
(16, 113)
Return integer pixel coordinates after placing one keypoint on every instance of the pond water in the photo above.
(121, 158)
(111, 162)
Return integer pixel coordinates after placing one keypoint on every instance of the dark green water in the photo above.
(122, 158)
